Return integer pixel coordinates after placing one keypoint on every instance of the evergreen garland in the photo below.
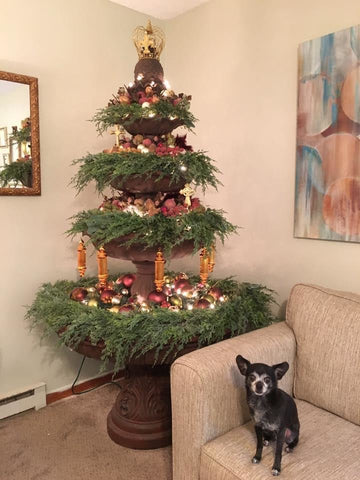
(125, 114)
(105, 167)
(136, 333)
(19, 172)
(201, 227)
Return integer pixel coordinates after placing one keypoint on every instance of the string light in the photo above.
(131, 84)
(140, 77)
(167, 84)
(183, 168)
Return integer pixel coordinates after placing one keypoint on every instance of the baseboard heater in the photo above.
(20, 401)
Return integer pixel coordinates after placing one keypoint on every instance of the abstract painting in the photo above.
(327, 196)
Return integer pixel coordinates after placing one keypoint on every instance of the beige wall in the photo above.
(81, 51)
(238, 58)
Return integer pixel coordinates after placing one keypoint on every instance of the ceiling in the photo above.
(162, 9)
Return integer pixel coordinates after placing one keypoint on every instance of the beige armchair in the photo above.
(212, 436)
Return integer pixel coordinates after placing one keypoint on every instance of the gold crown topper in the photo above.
(149, 41)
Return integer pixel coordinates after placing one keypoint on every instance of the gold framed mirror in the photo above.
(19, 135)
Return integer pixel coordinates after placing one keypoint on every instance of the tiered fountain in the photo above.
(151, 215)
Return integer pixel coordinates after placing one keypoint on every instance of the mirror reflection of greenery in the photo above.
(16, 174)
(22, 135)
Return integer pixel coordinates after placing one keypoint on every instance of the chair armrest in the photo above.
(208, 395)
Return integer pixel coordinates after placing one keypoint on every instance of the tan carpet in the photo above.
(68, 439)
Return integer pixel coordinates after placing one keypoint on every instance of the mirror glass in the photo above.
(19, 150)
(15, 134)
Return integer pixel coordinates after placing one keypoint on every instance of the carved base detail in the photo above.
(141, 415)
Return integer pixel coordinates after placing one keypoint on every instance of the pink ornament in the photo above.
(147, 142)
(169, 203)
(128, 280)
(167, 290)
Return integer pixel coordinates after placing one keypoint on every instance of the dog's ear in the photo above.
(243, 364)
(280, 369)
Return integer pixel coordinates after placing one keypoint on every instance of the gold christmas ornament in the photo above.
(81, 258)
(102, 266)
(212, 258)
(159, 271)
(187, 191)
(149, 41)
(204, 265)
(92, 302)
(114, 309)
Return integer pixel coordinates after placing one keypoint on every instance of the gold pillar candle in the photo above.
(102, 266)
(211, 258)
(159, 271)
(81, 258)
(204, 265)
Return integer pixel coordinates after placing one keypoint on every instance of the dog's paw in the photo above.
(266, 443)
(255, 460)
(275, 472)
(288, 449)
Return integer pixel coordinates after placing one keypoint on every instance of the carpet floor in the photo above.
(68, 439)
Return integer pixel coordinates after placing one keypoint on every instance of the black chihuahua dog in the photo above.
(273, 411)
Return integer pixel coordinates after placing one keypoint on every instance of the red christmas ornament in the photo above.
(157, 297)
(78, 294)
(182, 283)
(215, 292)
(128, 280)
(126, 308)
(165, 305)
(107, 295)
(202, 303)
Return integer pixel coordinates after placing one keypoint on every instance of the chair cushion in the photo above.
(326, 324)
(329, 449)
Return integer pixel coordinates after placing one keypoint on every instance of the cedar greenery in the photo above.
(136, 333)
(18, 172)
(105, 167)
(125, 114)
(201, 227)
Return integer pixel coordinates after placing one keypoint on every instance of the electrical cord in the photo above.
(90, 389)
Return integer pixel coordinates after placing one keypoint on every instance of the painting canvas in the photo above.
(327, 197)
